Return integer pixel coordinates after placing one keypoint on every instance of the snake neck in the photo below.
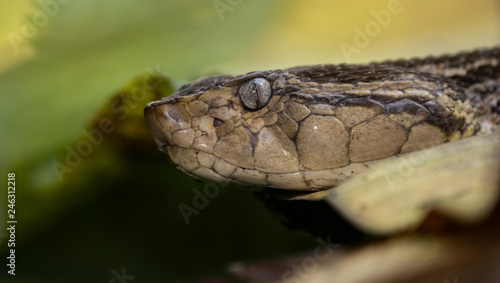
(477, 73)
(466, 68)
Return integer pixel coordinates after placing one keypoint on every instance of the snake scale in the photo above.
(312, 127)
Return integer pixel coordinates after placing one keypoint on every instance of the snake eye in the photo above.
(255, 93)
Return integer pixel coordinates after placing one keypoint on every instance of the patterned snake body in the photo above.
(309, 128)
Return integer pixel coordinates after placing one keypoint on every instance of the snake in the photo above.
(310, 128)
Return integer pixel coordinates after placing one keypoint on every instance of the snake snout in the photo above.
(170, 124)
(156, 129)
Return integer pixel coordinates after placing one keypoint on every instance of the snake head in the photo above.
(225, 129)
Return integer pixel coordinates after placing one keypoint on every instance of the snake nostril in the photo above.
(217, 122)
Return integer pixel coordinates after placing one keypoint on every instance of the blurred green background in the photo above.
(61, 61)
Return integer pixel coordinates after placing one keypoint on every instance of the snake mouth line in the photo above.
(205, 166)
